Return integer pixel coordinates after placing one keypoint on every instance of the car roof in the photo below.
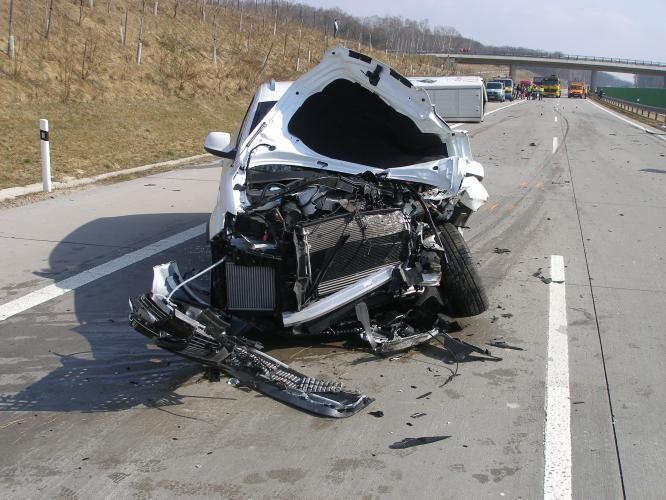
(446, 81)
(272, 91)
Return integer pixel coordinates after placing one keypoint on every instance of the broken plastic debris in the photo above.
(377, 414)
(233, 381)
(418, 414)
(424, 395)
(500, 342)
(501, 250)
(410, 442)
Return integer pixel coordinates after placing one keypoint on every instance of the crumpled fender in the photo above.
(445, 174)
(474, 195)
(472, 168)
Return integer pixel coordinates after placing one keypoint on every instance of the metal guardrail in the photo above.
(658, 114)
(564, 57)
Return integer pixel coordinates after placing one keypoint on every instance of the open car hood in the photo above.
(352, 114)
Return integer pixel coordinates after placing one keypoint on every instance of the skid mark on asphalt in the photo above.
(59, 288)
(557, 436)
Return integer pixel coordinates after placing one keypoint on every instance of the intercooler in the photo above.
(341, 250)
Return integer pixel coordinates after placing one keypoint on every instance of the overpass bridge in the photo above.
(593, 64)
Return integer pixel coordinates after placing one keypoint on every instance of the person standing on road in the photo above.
(336, 27)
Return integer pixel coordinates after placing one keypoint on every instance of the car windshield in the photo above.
(495, 85)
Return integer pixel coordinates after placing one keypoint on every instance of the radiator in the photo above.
(374, 240)
(250, 288)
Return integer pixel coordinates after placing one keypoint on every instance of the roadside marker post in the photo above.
(46, 155)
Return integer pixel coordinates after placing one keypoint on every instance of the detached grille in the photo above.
(250, 288)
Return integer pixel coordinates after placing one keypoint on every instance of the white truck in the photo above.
(456, 98)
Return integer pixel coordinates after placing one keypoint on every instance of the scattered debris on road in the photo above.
(376, 414)
(501, 250)
(539, 274)
(418, 441)
(501, 343)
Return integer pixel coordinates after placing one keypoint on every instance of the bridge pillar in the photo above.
(513, 73)
(593, 81)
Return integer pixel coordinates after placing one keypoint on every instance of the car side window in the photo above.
(241, 130)
(262, 110)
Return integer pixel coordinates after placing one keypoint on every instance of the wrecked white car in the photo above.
(341, 213)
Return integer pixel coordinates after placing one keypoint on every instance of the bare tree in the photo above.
(268, 55)
(123, 28)
(298, 49)
(139, 43)
(11, 49)
(47, 28)
(91, 59)
(214, 34)
(156, 4)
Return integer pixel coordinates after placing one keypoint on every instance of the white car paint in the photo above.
(270, 141)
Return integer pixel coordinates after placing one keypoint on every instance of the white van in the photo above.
(456, 98)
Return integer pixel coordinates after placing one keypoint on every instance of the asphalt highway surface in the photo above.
(571, 248)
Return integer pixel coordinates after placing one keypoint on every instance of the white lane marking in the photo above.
(456, 125)
(504, 107)
(626, 120)
(554, 144)
(557, 436)
(59, 288)
(556, 119)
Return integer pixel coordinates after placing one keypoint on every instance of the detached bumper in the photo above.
(201, 334)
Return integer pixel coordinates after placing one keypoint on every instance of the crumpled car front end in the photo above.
(341, 213)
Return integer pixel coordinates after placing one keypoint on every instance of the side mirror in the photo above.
(219, 144)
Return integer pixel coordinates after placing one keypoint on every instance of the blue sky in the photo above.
(628, 29)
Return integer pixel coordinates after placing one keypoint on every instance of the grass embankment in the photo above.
(91, 139)
(107, 112)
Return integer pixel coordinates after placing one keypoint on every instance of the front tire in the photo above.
(461, 283)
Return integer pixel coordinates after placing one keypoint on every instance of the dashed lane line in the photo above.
(59, 288)
(557, 436)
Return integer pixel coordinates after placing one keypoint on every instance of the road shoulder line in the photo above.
(59, 288)
(653, 132)
(456, 125)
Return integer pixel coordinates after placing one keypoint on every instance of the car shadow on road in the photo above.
(101, 363)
